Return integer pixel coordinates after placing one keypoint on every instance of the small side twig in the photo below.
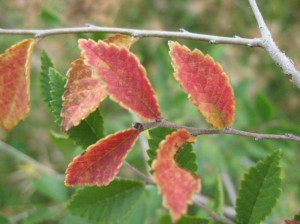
(212, 214)
(272, 49)
(139, 173)
(228, 185)
(225, 131)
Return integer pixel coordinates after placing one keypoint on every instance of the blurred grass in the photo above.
(265, 100)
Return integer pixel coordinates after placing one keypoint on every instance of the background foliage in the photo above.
(266, 101)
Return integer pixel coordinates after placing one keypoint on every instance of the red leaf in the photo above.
(101, 162)
(14, 83)
(82, 96)
(176, 184)
(125, 78)
(84, 91)
(206, 83)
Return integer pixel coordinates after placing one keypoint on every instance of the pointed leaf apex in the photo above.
(83, 94)
(125, 78)
(14, 83)
(205, 83)
(101, 162)
(167, 174)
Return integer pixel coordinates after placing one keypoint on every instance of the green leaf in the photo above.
(192, 220)
(73, 219)
(259, 190)
(186, 158)
(297, 217)
(40, 215)
(50, 18)
(51, 186)
(46, 63)
(146, 208)
(219, 197)
(139, 213)
(109, 204)
(57, 82)
(89, 130)
(263, 107)
(64, 144)
(186, 219)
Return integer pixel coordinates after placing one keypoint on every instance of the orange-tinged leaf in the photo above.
(14, 83)
(176, 184)
(101, 162)
(121, 40)
(82, 96)
(124, 76)
(206, 83)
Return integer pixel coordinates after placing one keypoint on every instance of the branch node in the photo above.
(289, 135)
(212, 41)
(135, 35)
(227, 128)
(89, 25)
(183, 30)
(137, 125)
(37, 36)
(257, 139)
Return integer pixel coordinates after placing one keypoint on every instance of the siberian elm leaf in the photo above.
(46, 63)
(101, 162)
(89, 130)
(206, 83)
(186, 219)
(56, 82)
(108, 204)
(83, 94)
(259, 190)
(14, 83)
(176, 184)
(125, 78)
(186, 158)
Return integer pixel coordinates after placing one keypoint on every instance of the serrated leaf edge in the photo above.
(27, 76)
(193, 101)
(131, 55)
(92, 109)
(190, 200)
(116, 170)
(279, 153)
(129, 210)
(43, 73)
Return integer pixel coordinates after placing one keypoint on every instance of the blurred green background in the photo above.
(266, 101)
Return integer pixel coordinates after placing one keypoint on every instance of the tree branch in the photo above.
(183, 34)
(266, 41)
(225, 131)
(285, 63)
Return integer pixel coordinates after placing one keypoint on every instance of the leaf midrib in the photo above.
(259, 192)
